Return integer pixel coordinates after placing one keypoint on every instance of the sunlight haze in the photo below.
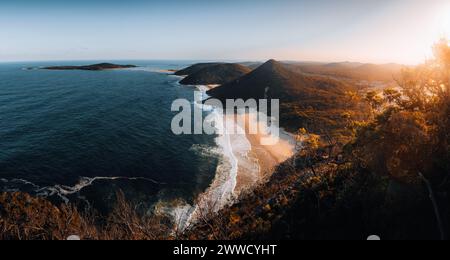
(400, 31)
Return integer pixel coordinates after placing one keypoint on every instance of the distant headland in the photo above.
(213, 73)
(94, 67)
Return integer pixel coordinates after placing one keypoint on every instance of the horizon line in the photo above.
(209, 60)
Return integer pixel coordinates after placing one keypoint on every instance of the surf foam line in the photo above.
(235, 150)
(62, 191)
(221, 191)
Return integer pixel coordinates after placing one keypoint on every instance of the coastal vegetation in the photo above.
(195, 68)
(372, 161)
(354, 71)
(317, 103)
(216, 74)
(391, 179)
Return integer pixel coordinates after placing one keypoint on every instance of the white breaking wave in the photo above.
(62, 191)
(86, 181)
(21, 181)
(230, 146)
(222, 189)
(206, 150)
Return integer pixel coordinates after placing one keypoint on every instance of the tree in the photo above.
(375, 100)
(408, 140)
(409, 132)
(392, 96)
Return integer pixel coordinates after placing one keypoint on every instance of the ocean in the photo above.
(82, 136)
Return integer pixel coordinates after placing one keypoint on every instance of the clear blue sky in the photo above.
(322, 30)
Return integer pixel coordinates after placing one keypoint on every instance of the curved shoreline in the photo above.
(245, 163)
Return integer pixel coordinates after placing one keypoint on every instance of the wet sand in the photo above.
(260, 160)
(246, 161)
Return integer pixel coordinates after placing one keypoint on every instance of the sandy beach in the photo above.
(264, 158)
(245, 162)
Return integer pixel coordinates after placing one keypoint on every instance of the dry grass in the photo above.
(23, 217)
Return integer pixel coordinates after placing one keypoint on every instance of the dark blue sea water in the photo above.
(84, 135)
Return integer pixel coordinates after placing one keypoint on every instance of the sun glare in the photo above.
(443, 21)
(437, 27)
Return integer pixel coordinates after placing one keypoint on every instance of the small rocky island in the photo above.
(94, 67)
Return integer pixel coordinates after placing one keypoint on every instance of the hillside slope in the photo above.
(312, 102)
(216, 75)
(274, 80)
(195, 68)
(352, 70)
